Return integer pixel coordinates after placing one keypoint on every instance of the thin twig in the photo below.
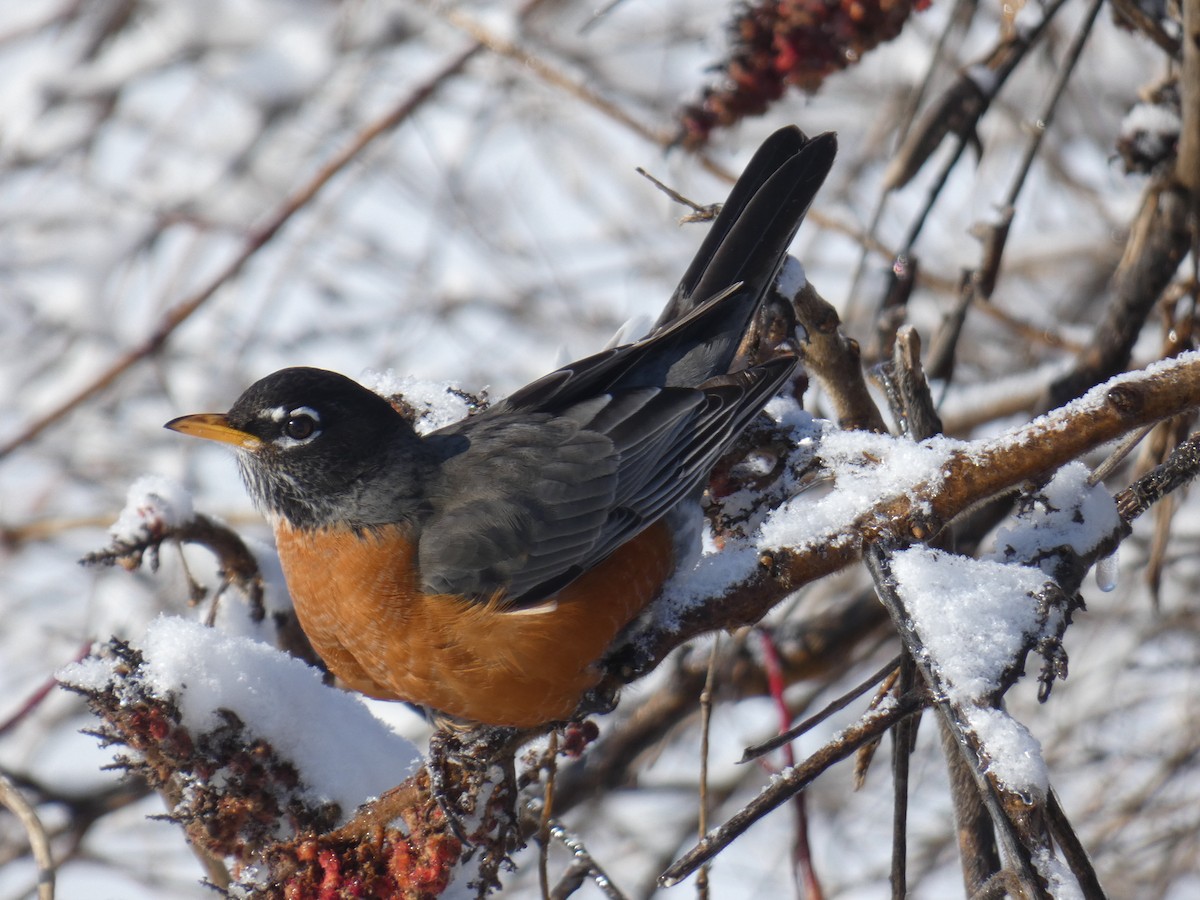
(530, 62)
(804, 873)
(698, 213)
(1178, 470)
(902, 741)
(39, 841)
(788, 782)
(551, 767)
(817, 718)
(706, 705)
(34, 700)
(1187, 159)
(586, 861)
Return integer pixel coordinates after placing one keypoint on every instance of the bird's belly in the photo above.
(357, 597)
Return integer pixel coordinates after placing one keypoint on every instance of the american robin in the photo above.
(481, 571)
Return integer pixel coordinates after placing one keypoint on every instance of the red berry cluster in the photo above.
(789, 42)
(393, 867)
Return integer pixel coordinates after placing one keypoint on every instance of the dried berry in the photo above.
(789, 43)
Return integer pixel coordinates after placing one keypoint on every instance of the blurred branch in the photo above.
(958, 110)
(1158, 240)
(12, 798)
(980, 282)
(530, 61)
(1137, 17)
(257, 238)
(34, 700)
(1187, 163)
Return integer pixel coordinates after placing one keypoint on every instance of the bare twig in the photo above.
(698, 213)
(531, 62)
(1138, 18)
(583, 862)
(1178, 470)
(706, 705)
(808, 886)
(834, 359)
(12, 798)
(788, 782)
(903, 736)
(973, 828)
(906, 388)
(1160, 237)
(1187, 160)
(817, 718)
(958, 110)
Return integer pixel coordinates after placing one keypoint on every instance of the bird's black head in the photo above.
(319, 449)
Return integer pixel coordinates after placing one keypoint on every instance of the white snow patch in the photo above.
(438, 404)
(1068, 513)
(342, 752)
(152, 503)
(719, 568)
(1013, 755)
(713, 575)
(866, 469)
(792, 277)
(1150, 121)
(972, 615)
(1063, 885)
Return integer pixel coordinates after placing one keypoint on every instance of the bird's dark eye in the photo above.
(301, 424)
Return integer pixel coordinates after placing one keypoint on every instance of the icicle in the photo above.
(1106, 572)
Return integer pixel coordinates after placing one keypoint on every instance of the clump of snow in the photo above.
(713, 575)
(973, 616)
(343, 753)
(1150, 132)
(805, 431)
(152, 505)
(437, 404)
(1067, 512)
(974, 619)
(1062, 883)
(866, 468)
(1012, 755)
(792, 277)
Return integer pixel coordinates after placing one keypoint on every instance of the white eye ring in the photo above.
(302, 424)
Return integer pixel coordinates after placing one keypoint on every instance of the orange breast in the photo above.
(357, 598)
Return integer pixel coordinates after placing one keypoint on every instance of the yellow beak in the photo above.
(214, 427)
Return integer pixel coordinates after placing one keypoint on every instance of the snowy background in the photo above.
(497, 229)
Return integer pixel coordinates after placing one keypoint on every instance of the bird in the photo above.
(480, 571)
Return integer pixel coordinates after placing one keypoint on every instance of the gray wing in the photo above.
(535, 500)
(559, 474)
